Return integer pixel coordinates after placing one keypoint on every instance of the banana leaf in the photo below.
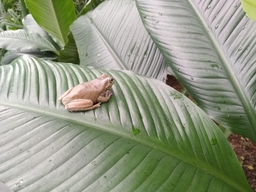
(147, 137)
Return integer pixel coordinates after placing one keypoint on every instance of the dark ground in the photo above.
(243, 147)
(245, 150)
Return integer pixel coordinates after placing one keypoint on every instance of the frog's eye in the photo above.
(111, 80)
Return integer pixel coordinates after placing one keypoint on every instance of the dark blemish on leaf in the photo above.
(176, 95)
(135, 131)
(214, 141)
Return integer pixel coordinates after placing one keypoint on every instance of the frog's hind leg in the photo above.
(81, 105)
(64, 94)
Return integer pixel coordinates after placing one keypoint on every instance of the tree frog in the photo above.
(88, 95)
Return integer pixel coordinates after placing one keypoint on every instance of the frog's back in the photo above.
(88, 90)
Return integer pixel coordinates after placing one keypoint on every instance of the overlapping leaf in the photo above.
(43, 147)
(113, 37)
(249, 7)
(21, 40)
(211, 48)
(31, 26)
(90, 5)
(54, 16)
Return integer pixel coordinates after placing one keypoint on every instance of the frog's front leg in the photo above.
(81, 105)
(104, 97)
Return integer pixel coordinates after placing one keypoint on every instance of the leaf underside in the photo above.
(112, 36)
(21, 40)
(210, 46)
(43, 147)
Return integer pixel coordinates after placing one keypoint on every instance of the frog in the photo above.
(88, 95)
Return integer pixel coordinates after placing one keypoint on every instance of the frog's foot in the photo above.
(105, 96)
(81, 105)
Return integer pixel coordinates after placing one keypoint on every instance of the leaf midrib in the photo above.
(106, 43)
(59, 28)
(121, 132)
(233, 80)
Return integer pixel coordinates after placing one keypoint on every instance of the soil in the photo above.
(245, 151)
(244, 148)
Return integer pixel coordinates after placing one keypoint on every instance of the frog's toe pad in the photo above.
(107, 93)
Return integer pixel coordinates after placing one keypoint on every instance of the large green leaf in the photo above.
(69, 54)
(54, 16)
(113, 37)
(249, 7)
(148, 137)
(21, 40)
(211, 48)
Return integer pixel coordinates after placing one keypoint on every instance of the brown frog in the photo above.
(88, 95)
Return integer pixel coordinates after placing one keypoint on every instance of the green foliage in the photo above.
(32, 40)
(54, 16)
(10, 4)
(113, 37)
(69, 54)
(205, 58)
(89, 6)
(249, 7)
(15, 40)
(141, 139)
(10, 15)
(79, 5)
(146, 129)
